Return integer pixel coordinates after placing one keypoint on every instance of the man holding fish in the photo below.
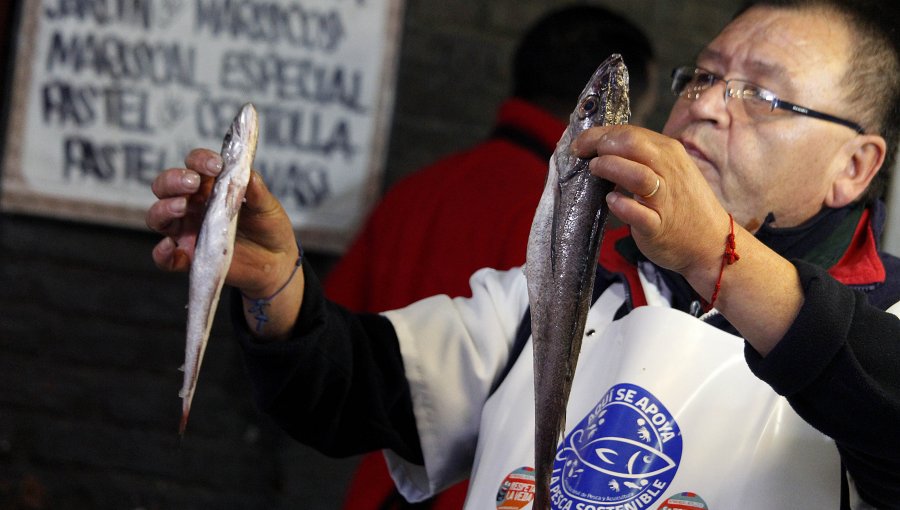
(764, 372)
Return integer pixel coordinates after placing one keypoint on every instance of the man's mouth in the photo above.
(696, 153)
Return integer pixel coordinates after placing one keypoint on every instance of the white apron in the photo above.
(664, 412)
(663, 408)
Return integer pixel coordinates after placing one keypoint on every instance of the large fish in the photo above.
(561, 261)
(215, 246)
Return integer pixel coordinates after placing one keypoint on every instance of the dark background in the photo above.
(92, 334)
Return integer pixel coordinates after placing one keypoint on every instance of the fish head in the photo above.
(604, 101)
(240, 140)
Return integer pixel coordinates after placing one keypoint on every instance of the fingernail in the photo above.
(166, 245)
(178, 205)
(612, 197)
(190, 180)
(214, 164)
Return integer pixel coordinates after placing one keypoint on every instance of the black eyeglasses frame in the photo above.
(771, 97)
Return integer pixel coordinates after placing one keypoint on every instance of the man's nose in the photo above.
(710, 104)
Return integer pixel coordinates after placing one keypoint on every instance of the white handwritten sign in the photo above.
(108, 93)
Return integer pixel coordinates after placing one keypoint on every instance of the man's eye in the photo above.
(757, 94)
(706, 79)
(751, 92)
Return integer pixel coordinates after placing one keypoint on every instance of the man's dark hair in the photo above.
(561, 51)
(873, 74)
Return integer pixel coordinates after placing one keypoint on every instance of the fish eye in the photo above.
(588, 106)
(227, 146)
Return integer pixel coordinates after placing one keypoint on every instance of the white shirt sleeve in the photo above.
(453, 350)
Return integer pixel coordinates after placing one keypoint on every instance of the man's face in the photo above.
(784, 163)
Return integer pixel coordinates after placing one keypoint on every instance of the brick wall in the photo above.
(91, 334)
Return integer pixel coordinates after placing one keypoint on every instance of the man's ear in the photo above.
(863, 157)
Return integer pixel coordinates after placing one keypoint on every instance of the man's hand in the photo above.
(265, 249)
(682, 226)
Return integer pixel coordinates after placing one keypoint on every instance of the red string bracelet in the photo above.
(728, 258)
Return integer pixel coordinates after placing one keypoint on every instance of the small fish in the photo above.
(561, 262)
(215, 246)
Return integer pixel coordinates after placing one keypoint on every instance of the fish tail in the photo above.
(185, 411)
(182, 424)
(542, 481)
(547, 442)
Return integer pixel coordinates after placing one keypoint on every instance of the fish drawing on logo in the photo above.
(561, 261)
(620, 465)
(636, 486)
(623, 457)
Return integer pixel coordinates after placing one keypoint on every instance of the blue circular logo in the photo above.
(627, 448)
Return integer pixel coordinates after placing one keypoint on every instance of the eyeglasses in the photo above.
(756, 102)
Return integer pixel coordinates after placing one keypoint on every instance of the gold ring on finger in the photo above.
(655, 189)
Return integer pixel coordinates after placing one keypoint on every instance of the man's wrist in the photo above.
(259, 310)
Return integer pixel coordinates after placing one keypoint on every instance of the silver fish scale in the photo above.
(215, 246)
(561, 261)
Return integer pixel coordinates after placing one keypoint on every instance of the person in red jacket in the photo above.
(474, 209)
